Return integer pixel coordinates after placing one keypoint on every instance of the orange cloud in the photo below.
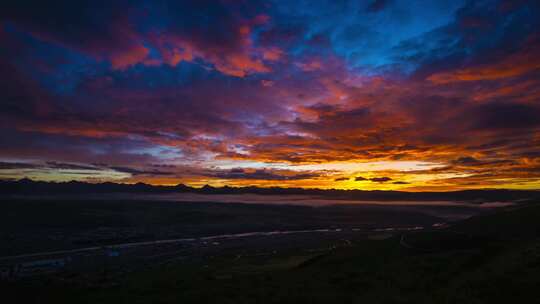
(310, 66)
(519, 63)
(239, 58)
(272, 54)
(129, 57)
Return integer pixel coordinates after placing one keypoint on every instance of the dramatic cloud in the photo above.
(400, 183)
(263, 175)
(16, 166)
(389, 94)
(383, 179)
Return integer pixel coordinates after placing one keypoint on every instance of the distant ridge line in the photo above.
(30, 187)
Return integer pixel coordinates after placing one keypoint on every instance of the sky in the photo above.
(382, 94)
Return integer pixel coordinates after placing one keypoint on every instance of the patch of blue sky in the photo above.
(54, 66)
(367, 40)
(160, 152)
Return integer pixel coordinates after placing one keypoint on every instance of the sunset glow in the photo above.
(390, 95)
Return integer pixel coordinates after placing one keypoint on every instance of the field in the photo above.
(28, 226)
(493, 257)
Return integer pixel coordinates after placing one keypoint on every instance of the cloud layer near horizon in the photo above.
(407, 95)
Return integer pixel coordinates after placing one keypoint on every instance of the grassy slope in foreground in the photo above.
(502, 268)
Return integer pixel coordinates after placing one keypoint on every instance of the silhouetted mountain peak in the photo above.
(27, 186)
(25, 180)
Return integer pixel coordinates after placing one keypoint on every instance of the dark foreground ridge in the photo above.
(491, 258)
(30, 187)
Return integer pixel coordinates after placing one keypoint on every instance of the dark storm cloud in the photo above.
(69, 166)
(101, 29)
(264, 175)
(383, 179)
(471, 161)
(466, 160)
(16, 166)
(495, 116)
(135, 171)
(46, 166)
(332, 120)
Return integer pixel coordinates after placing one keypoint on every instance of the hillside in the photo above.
(493, 270)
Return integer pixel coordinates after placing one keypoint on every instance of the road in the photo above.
(167, 241)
